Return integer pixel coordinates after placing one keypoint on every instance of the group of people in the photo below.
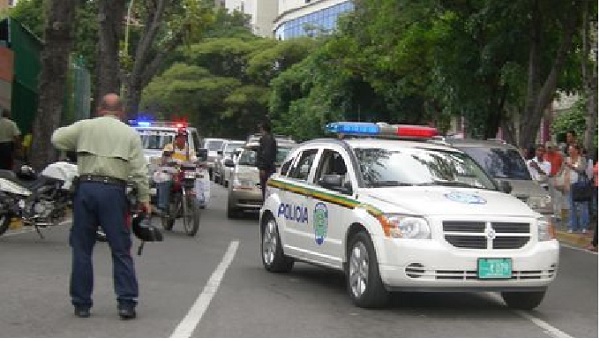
(557, 171)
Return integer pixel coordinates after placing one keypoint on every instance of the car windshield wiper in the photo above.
(448, 183)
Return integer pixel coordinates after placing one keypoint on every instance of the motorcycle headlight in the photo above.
(407, 227)
(539, 202)
(545, 229)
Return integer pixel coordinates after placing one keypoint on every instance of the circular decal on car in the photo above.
(321, 222)
(466, 198)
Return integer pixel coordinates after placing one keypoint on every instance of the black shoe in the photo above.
(82, 312)
(127, 313)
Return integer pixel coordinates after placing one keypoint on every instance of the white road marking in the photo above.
(547, 328)
(190, 322)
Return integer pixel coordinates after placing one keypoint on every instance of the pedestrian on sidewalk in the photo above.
(555, 158)
(574, 167)
(109, 152)
(538, 167)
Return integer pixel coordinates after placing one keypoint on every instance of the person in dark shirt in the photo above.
(266, 156)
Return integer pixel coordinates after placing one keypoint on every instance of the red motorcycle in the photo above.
(184, 201)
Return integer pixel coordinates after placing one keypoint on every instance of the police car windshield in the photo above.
(155, 139)
(214, 145)
(420, 167)
(499, 162)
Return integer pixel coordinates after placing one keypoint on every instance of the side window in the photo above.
(196, 140)
(332, 163)
(301, 169)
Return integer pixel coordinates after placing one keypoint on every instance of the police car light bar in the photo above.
(145, 124)
(382, 130)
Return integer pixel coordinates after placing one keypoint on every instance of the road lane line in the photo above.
(549, 329)
(194, 316)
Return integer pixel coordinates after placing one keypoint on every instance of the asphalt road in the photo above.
(213, 285)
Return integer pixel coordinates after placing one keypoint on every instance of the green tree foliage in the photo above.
(573, 119)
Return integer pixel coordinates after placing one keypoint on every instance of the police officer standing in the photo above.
(108, 153)
(266, 155)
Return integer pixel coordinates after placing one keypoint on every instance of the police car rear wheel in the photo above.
(525, 300)
(363, 279)
(272, 251)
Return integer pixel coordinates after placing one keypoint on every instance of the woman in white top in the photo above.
(574, 166)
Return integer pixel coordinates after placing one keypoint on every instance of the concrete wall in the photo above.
(262, 12)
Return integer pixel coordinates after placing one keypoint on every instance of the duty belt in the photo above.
(102, 179)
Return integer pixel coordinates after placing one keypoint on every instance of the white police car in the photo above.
(404, 215)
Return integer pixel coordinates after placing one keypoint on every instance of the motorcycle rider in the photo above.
(173, 153)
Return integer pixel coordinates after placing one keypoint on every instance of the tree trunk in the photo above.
(58, 37)
(589, 36)
(110, 17)
(538, 101)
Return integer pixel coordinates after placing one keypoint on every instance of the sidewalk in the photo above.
(573, 239)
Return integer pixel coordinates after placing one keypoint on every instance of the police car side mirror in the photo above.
(220, 152)
(229, 163)
(504, 186)
(202, 154)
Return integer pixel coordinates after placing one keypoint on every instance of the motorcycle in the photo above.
(186, 197)
(38, 200)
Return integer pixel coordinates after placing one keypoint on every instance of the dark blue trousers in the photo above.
(97, 204)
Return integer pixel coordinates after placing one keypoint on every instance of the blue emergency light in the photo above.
(144, 124)
(353, 128)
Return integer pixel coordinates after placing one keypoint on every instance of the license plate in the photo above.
(494, 268)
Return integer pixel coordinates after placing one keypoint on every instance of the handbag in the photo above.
(559, 181)
(582, 190)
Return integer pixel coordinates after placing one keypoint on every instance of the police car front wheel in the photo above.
(362, 274)
(273, 258)
(525, 300)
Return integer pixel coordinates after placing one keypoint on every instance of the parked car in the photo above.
(504, 162)
(221, 173)
(244, 188)
(213, 145)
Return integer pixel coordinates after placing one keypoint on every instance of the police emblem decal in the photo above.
(465, 198)
(321, 222)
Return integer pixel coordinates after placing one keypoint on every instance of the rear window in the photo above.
(500, 162)
(155, 139)
(214, 145)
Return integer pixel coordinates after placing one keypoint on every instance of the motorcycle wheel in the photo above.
(4, 223)
(191, 215)
(169, 220)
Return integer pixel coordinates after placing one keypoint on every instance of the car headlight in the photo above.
(408, 227)
(539, 202)
(545, 229)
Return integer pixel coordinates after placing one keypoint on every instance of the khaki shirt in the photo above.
(8, 130)
(106, 146)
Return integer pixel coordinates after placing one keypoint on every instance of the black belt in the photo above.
(102, 179)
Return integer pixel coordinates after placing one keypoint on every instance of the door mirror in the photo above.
(504, 186)
(202, 154)
(229, 163)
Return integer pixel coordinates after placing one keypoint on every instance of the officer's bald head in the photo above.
(111, 104)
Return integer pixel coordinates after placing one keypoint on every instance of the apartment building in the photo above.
(299, 18)
(5, 4)
(262, 12)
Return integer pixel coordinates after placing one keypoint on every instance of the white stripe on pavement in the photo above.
(190, 322)
(547, 328)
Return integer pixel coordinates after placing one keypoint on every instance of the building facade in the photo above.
(262, 12)
(5, 4)
(300, 18)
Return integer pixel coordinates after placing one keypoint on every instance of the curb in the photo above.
(579, 240)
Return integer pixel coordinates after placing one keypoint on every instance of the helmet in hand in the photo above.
(140, 224)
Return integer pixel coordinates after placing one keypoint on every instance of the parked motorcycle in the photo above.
(38, 200)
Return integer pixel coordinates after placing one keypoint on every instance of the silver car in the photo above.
(221, 173)
(244, 188)
(213, 145)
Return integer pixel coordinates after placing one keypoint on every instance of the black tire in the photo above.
(191, 216)
(271, 249)
(364, 283)
(524, 300)
(4, 223)
(169, 222)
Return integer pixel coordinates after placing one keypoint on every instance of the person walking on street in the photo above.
(266, 156)
(10, 137)
(109, 153)
(556, 159)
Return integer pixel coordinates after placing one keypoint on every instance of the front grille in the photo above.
(486, 235)
(419, 271)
